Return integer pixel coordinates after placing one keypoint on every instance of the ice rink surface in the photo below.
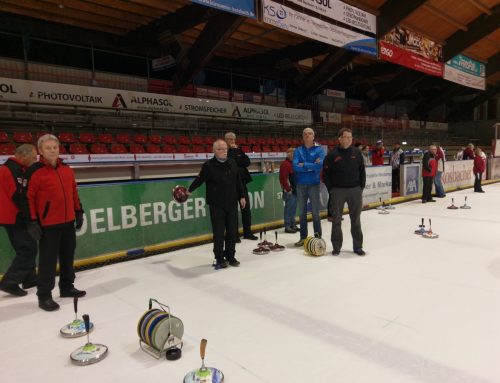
(412, 310)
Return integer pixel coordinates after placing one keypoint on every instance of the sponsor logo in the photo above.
(236, 112)
(273, 11)
(119, 102)
(7, 88)
(386, 52)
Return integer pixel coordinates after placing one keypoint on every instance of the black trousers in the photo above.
(225, 230)
(246, 215)
(477, 181)
(354, 198)
(395, 180)
(427, 189)
(23, 266)
(56, 244)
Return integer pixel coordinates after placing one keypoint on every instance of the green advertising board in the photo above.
(128, 216)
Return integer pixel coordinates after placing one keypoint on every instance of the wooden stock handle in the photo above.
(203, 346)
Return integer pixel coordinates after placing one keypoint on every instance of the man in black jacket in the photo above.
(223, 191)
(345, 178)
(236, 153)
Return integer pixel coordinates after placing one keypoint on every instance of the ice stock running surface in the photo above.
(412, 310)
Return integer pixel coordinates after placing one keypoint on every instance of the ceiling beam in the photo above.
(461, 110)
(393, 12)
(422, 109)
(174, 23)
(217, 30)
(450, 20)
(330, 67)
(478, 29)
(483, 8)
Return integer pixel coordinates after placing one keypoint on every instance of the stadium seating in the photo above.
(122, 138)
(7, 149)
(169, 139)
(4, 137)
(67, 138)
(23, 137)
(136, 148)
(155, 139)
(77, 148)
(168, 149)
(118, 149)
(153, 148)
(140, 139)
(87, 138)
(98, 149)
(105, 138)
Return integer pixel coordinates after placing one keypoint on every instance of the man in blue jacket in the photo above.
(307, 165)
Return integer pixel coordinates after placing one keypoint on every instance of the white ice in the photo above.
(412, 310)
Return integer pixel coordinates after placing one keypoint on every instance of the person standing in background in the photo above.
(468, 152)
(14, 216)
(55, 212)
(396, 160)
(243, 161)
(378, 154)
(429, 168)
(289, 187)
(307, 165)
(365, 151)
(478, 169)
(438, 183)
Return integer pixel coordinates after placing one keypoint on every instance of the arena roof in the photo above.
(206, 37)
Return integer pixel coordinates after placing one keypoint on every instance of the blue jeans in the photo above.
(439, 185)
(290, 209)
(304, 193)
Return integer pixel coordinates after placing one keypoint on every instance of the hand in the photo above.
(243, 203)
(78, 219)
(34, 230)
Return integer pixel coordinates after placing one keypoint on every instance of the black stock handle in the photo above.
(86, 320)
(75, 304)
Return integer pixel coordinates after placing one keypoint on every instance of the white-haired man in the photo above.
(224, 190)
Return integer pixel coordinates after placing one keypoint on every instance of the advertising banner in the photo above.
(410, 178)
(76, 95)
(291, 20)
(412, 50)
(458, 174)
(465, 71)
(493, 168)
(378, 184)
(239, 7)
(340, 11)
(334, 93)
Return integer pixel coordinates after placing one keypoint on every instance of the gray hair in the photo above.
(217, 142)
(307, 130)
(229, 135)
(24, 150)
(45, 138)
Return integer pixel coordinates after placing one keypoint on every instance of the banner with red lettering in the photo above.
(412, 50)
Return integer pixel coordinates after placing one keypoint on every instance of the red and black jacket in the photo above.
(13, 184)
(52, 194)
(429, 165)
(479, 165)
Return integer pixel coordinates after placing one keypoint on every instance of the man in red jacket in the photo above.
(429, 169)
(478, 169)
(14, 216)
(289, 186)
(378, 154)
(55, 211)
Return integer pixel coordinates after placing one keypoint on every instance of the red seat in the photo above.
(78, 149)
(153, 148)
(209, 140)
(246, 148)
(270, 141)
(280, 141)
(251, 141)
(275, 148)
(266, 148)
(168, 149)
(198, 148)
(183, 149)
(40, 134)
(122, 138)
(105, 138)
(169, 139)
(256, 148)
(22, 137)
(7, 149)
(62, 149)
(184, 140)
(241, 140)
(140, 139)
(4, 137)
(87, 138)
(67, 138)
(98, 149)
(197, 140)
(136, 149)
(118, 149)
(155, 139)
(261, 141)
(284, 148)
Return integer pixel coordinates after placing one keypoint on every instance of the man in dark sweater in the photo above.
(345, 178)
(223, 191)
(236, 153)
